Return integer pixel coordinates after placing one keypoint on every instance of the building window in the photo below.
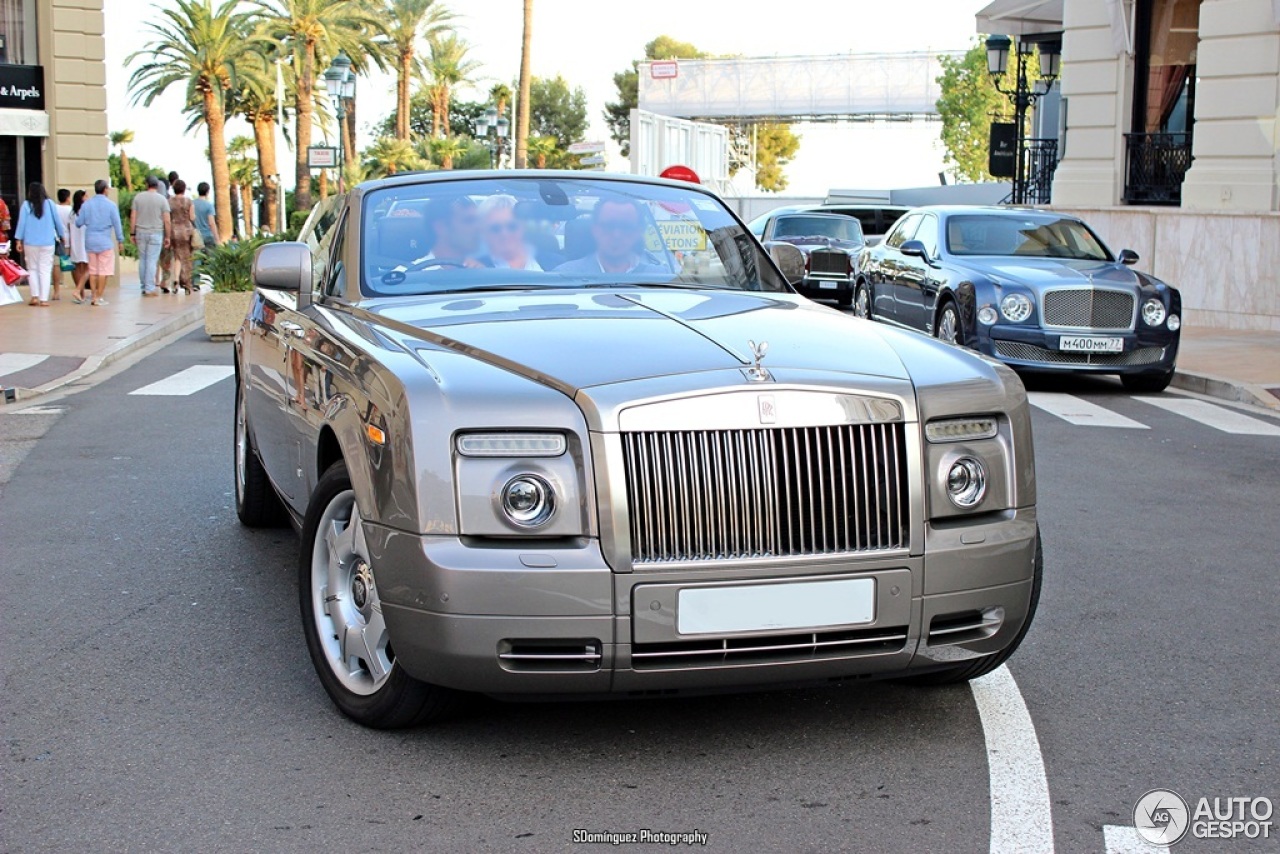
(18, 32)
(1158, 151)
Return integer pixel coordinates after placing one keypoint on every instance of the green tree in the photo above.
(448, 67)
(198, 45)
(255, 101)
(557, 111)
(409, 22)
(243, 169)
(617, 114)
(389, 155)
(775, 145)
(967, 105)
(540, 148)
(448, 149)
(119, 139)
(314, 31)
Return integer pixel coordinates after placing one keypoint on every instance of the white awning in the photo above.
(24, 122)
(1021, 17)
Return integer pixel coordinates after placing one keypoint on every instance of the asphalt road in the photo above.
(157, 694)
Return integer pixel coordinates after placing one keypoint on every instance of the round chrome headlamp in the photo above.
(1153, 312)
(1016, 307)
(1174, 323)
(966, 482)
(987, 315)
(528, 500)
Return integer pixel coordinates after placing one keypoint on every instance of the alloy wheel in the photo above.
(949, 326)
(862, 303)
(242, 447)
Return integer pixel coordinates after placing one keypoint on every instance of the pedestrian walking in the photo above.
(39, 229)
(6, 226)
(183, 218)
(101, 220)
(64, 216)
(150, 226)
(164, 272)
(206, 216)
(79, 254)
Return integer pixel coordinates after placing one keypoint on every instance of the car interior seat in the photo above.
(401, 240)
(578, 242)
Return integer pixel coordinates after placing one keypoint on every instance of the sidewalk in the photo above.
(1231, 364)
(42, 349)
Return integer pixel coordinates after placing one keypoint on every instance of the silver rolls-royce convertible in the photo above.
(550, 433)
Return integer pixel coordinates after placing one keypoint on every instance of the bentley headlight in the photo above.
(987, 315)
(528, 500)
(1174, 323)
(1153, 312)
(966, 482)
(1016, 307)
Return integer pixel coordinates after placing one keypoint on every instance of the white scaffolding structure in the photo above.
(846, 87)
(658, 142)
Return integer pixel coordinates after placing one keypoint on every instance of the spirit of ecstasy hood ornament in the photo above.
(757, 372)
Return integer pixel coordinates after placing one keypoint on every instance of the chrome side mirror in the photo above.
(1128, 257)
(790, 261)
(914, 248)
(284, 267)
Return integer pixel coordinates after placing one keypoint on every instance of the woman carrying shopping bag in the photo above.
(39, 231)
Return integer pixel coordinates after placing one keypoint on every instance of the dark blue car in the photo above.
(1035, 289)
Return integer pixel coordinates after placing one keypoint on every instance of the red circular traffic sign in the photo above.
(680, 173)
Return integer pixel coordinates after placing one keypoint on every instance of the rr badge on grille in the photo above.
(768, 409)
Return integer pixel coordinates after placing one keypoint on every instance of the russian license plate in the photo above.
(769, 607)
(828, 286)
(1090, 344)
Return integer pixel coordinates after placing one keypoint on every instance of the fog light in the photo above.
(1174, 323)
(1153, 312)
(966, 482)
(987, 315)
(528, 500)
(1015, 307)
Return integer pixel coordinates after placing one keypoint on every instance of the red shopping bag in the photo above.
(11, 272)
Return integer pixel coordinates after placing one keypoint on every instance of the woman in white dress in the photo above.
(76, 247)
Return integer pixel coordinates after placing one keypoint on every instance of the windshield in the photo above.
(842, 228)
(1026, 235)
(526, 233)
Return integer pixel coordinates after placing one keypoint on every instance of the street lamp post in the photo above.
(490, 120)
(1022, 95)
(340, 83)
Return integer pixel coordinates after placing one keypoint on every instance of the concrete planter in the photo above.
(224, 313)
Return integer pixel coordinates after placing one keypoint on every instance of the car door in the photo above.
(916, 275)
(885, 283)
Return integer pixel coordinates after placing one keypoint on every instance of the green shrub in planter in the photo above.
(229, 266)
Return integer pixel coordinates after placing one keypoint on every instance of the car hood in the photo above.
(579, 338)
(1041, 273)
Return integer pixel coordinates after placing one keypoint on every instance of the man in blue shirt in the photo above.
(101, 220)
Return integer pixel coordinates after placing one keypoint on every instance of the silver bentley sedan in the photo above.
(551, 433)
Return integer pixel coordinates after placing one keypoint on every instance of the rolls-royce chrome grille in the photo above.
(828, 262)
(1088, 308)
(769, 492)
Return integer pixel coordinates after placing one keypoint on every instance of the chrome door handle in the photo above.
(292, 328)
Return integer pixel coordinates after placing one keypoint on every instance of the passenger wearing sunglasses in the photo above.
(504, 238)
(617, 227)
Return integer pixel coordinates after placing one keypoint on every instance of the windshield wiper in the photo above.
(526, 287)
(673, 285)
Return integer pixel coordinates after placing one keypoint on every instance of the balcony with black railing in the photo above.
(1154, 167)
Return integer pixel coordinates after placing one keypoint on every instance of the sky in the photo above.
(588, 42)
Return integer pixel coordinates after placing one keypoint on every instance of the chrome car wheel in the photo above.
(862, 303)
(344, 598)
(242, 447)
(949, 326)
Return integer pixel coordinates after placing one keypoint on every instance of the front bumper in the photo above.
(559, 621)
(826, 286)
(1146, 350)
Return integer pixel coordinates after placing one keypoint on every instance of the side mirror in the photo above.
(1128, 256)
(914, 248)
(790, 261)
(284, 267)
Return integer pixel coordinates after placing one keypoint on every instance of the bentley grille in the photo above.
(769, 492)
(1088, 308)
(829, 263)
(1032, 353)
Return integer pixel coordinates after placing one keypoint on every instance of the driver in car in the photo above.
(454, 226)
(617, 226)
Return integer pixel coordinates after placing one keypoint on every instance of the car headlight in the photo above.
(528, 501)
(961, 429)
(1174, 323)
(1153, 312)
(511, 444)
(987, 315)
(1016, 307)
(966, 482)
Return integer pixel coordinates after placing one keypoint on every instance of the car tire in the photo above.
(342, 618)
(950, 328)
(982, 666)
(1147, 383)
(257, 504)
(862, 301)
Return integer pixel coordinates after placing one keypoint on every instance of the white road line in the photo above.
(11, 363)
(189, 381)
(1021, 813)
(1073, 410)
(1217, 417)
(1125, 840)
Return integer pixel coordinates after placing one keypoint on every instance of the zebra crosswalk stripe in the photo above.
(1217, 417)
(1074, 410)
(11, 363)
(188, 381)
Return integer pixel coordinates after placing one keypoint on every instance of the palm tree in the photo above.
(198, 44)
(119, 139)
(526, 78)
(255, 100)
(389, 155)
(540, 148)
(447, 149)
(314, 31)
(243, 170)
(409, 21)
(449, 67)
(500, 96)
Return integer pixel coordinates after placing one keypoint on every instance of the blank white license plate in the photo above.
(1091, 344)
(766, 607)
(828, 286)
